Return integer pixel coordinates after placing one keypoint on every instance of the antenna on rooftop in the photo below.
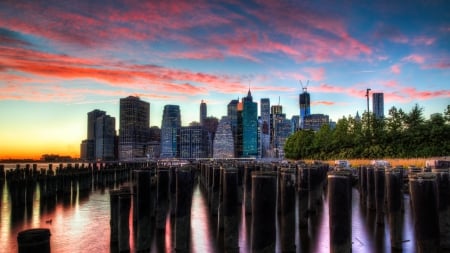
(304, 88)
(278, 100)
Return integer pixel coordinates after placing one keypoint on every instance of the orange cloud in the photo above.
(148, 78)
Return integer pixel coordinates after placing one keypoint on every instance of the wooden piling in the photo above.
(287, 226)
(264, 193)
(379, 194)
(162, 197)
(423, 189)
(34, 240)
(394, 193)
(184, 183)
(231, 210)
(340, 212)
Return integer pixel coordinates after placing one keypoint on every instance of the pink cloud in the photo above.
(118, 75)
(423, 40)
(316, 74)
(440, 64)
(414, 58)
(397, 92)
(395, 69)
(328, 103)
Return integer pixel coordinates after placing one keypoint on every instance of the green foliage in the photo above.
(399, 135)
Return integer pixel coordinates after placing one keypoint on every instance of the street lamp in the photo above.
(368, 114)
(367, 95)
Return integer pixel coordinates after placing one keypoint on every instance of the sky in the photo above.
(61, 59)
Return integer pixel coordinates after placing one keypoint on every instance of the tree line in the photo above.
(399, 135)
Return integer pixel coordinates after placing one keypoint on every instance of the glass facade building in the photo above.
(203, 112)
(265, 127)
(134, 128)
(305, 107)
(316, 121)
(105, 138)
(249, 127)
(378, 105)
(193, 142)
(170, 132)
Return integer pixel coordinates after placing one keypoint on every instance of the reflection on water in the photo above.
(80, 222)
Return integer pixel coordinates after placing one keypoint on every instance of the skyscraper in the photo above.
(224, 141)
(316, 121)
(193, 142)
(280, 130)
(249, 127)
(134, 128)
(88, 146)
(202, 113)
(105, 138)
(305, 107)
(170, 132)
(265, 127)
(378, 105)
(232, 113)
(92, 119)
(295, 121)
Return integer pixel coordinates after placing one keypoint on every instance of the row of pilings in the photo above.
(381, 192)
(64, 183)
(265, 192)
(155, 192)
(260, 190)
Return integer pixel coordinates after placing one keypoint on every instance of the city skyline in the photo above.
(59, 60)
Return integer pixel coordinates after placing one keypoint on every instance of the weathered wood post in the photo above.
(423, 189)
(231, 210)
(394, 180)
(287, 205)
(443, 184)
(371, 199)
(144, 208)
(124, 218)
(303, 195)
(379, 194)
(34, 240)
(184, 182)
(340, 211)
(162, 197)
(264, 194)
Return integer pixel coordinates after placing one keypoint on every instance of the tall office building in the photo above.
(280, 131)
(295, 121)
(316, 121)
(202, 113)
(224, 141)
(88, 147)
(265, 127)
(305, 107)
(210, 125)
(170, 132)
(249, 126)
(134, 128)
(378, 105)
(193, 142)
(92, 119)
(233, 114)
(105, 138)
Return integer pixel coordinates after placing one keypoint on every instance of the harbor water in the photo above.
(81, 223)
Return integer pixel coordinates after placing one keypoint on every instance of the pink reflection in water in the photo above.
(81, 224)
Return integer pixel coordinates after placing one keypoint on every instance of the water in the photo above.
(81, 224)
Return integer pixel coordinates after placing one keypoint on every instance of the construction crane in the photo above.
(304, 88)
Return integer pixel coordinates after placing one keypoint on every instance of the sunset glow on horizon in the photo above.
(61, 59)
